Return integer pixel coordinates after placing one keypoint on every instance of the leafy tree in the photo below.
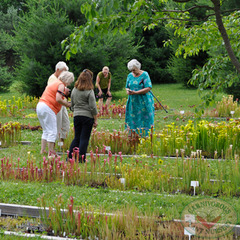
(175, 14)
(152, 55)
(38, 44)
(181, 68)
(16, 4)
(6, 52)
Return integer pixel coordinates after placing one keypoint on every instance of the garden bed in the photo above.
(174, 229)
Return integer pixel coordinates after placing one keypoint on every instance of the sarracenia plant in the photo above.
(10, 134)
(204, 135)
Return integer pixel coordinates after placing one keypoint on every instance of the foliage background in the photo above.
(32, 32)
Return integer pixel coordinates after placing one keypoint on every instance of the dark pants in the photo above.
(83, 127)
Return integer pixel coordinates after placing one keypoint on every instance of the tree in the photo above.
(153, 55)
(38, 44)
(176, 14)
(7, 20)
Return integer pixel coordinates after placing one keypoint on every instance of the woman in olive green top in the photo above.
(103, 83)
(83, 105)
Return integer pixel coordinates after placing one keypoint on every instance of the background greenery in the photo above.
(32, 32)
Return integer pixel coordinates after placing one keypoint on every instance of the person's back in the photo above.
(49, 96)
(83, 103)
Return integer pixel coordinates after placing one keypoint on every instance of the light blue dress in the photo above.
(140, 107)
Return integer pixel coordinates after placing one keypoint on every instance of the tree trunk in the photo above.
(224, 35)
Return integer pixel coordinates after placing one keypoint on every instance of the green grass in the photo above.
(174, 95)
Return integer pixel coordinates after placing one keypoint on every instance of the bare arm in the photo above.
(98, 85)
(109, 86)
(95, 121)
(142, 91)
(59, 98)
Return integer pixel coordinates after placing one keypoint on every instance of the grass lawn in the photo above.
(174, 95)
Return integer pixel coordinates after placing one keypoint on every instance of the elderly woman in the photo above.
(84, 112)
(140, 105)
(49, 105)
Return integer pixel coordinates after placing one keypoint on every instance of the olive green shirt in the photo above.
(83, 103)
(104, 81)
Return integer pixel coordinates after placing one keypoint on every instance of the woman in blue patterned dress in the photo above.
(140, 105)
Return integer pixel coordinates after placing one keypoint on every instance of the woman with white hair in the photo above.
(49, 105)
(140, 105)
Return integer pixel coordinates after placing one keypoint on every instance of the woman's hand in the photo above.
(130, 92)
(95, 124)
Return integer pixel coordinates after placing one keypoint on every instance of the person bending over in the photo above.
(63, 123)
(48, 106)
(103, 84)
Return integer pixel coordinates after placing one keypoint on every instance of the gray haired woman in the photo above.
(140, 105)
(49, 105)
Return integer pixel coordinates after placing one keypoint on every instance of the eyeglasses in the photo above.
(133, 70)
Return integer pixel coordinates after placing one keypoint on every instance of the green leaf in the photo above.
(68, 55)
(115, 30)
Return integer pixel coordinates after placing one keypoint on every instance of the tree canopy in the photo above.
(216, 26)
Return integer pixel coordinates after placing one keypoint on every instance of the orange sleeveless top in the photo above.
(49, 96)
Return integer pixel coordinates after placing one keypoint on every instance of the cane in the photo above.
(154, 96)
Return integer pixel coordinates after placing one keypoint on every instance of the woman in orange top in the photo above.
(49, 105)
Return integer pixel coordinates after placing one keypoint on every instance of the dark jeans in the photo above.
(83, 127)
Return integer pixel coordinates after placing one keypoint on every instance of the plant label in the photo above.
(190, 218)
(108, 148)
(194, 183)
(60, 143)
(189, 231)
(0, 143)
(123, 181)
(182, 112)
(120, 114)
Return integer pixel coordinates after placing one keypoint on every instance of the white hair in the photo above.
(66, 77)
(134, 63)
(61, 66)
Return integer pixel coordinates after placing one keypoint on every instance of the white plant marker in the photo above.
(186, 231)
(182, 112)
(232, 112)
(60, 143)
(123, 181)
(189, 230)
(194, 184)
(108, 148)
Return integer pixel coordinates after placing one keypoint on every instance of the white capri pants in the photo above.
(48, 121)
